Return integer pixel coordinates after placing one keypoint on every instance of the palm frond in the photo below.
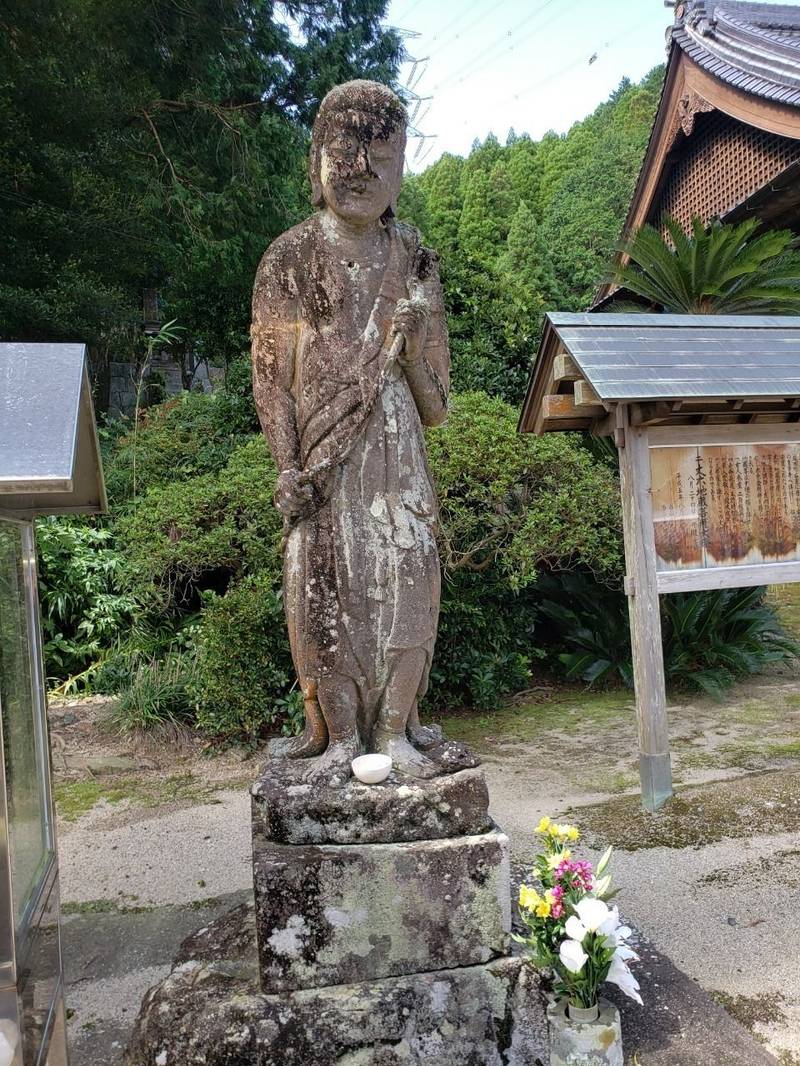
(716, 269)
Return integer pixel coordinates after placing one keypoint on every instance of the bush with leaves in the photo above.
(157, 694)
(719, 269)
(187, 436)
(486, 645)
(520, 504)
(244, 666)
(187, 536)
(83, 602)
(710, 639)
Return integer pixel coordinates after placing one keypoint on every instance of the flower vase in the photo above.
(585, 1036)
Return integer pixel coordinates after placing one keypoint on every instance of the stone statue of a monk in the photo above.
(350, 361)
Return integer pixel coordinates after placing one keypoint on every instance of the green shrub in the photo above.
(710, 639)
(244, 667)
(83, 605)
(189, 435)
(591, 621)
(189, 536)
(157, 694)
(485, 644)
(519, 502)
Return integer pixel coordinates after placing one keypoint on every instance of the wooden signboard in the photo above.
(726, 506)
(704, 507)
(705, 413)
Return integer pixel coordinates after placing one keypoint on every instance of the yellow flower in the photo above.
(543, 825)
(529, 898)
(557, 857)
(572, 832)
(543, 908)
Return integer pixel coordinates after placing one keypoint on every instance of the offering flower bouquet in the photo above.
(571, 927)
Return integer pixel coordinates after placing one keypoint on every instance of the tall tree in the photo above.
(160, 145)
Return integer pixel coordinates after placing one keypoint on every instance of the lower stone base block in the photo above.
(210, 1011)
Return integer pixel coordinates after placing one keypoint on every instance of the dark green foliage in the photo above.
(710, 639)
(517, 503)
(717, 269)
(157, 695)
(190, 435)
(526, 228)
(186, 536)
(160, 145)
(486, 642)
(83, 601)
(244, 667)
(591, 621)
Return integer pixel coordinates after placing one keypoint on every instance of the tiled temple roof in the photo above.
(753, 47)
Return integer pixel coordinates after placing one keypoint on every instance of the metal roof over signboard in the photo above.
(675, 368)
(49, 452)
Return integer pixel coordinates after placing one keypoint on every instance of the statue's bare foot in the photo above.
(306, 745)
(333, 768)
(405, 758)
(425, 737)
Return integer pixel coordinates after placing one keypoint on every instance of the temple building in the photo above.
(725, 142)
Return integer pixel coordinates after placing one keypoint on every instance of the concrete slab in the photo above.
(111, 959)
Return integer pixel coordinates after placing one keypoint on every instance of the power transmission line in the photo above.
(588, 60)
(493, 47)
(408, 10)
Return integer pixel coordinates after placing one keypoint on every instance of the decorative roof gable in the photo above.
(753, 47)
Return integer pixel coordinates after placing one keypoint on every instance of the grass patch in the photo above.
(101, 906)
(785, 599)
(750, 1011)
(697, 815)
(76, 798)
(562, 711)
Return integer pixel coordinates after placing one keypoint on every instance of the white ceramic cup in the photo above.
(370, 769)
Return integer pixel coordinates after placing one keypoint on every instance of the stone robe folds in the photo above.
(361, 571)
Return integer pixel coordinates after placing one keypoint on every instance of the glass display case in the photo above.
(49, 464)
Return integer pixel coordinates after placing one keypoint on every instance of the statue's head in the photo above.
(357, 150)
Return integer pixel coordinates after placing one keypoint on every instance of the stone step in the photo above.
(210, 1012)
(335, 914)
(289, 810)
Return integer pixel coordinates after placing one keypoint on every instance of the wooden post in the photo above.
(642, 591)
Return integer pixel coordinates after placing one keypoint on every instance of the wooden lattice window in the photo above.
(722, 163)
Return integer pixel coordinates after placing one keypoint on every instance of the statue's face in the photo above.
(361, 170)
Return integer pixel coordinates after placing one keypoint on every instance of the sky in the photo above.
(491, 65)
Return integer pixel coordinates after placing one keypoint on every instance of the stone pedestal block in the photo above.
(211, 1012)
(288, 811)
(595, 1043)
(337, 914)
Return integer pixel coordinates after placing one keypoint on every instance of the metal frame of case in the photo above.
(49, 464)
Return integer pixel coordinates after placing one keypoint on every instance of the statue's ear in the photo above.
(315, 176)
(398, 180)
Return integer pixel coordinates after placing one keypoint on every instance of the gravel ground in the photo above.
(714, 885)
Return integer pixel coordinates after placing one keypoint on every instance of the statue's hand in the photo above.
(292, 498)
(411, 320)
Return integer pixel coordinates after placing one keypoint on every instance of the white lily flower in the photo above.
(611, 926)
(602, 886)
(604, 861)
(625, 953)
(621, 976)
(575, 928)
(594, 913)
(572, 955)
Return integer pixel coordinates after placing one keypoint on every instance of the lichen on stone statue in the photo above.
(350, 363)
